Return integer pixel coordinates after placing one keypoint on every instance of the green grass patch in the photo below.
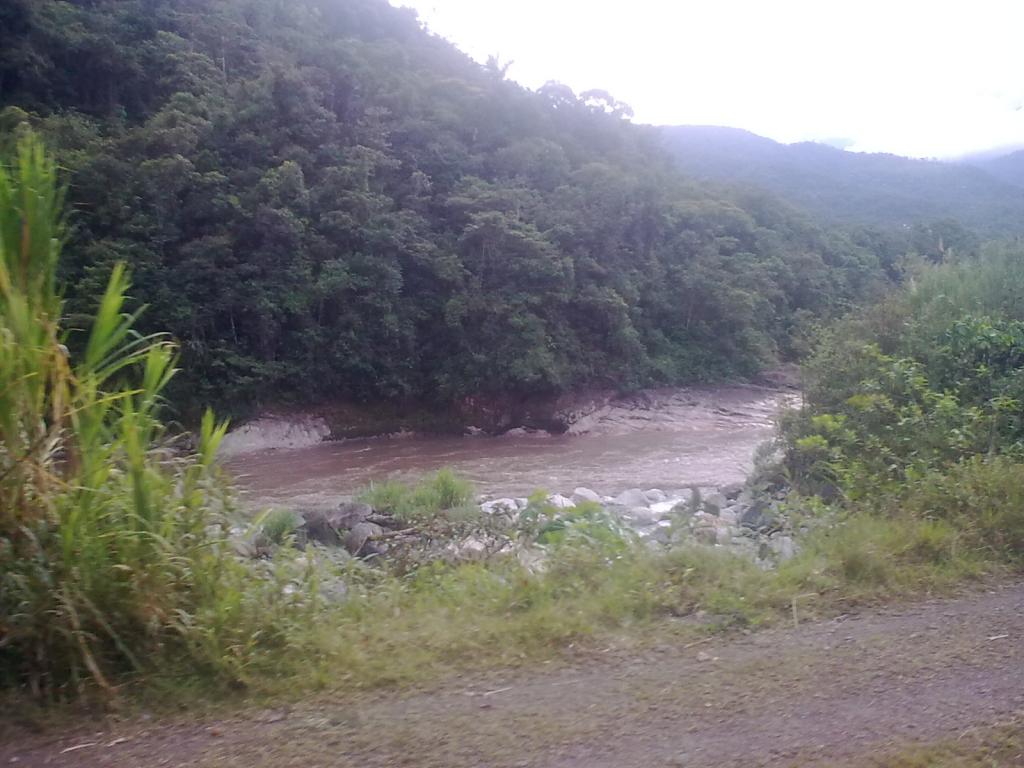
(439, 494)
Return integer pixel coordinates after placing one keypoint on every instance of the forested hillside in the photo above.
(1008, 166)
(855, 188)
(321, 200)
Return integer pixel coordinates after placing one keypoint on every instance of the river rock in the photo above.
(323, 526)
(560, 502)
(759, 516)
(732, 491)
(358, 541)
(706, 534)
(351, 513)
(683, 494)
(713, 503)
(665, 507)
(641, 517)
(728, 516)
(581, 495)
(783, 546)
(499, 507)
(655, 495)
(470, 548)
(634, 497)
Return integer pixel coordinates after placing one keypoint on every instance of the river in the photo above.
(659, 439)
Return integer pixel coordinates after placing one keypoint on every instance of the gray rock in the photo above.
(713, 503)
(731, 491)
(560, 502)
(322, 526)
(244, 547)
(706, 534)
(359, 540)
(759, 516)
(585, 494)
(631, 498)
(351, 513)
(499, 507)
(784, 547)
(666, 507)
(654, 495)
(641, 516)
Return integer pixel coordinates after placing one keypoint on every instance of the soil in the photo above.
(850, 690)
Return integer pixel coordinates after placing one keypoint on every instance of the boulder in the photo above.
(666, 507)
(728, 516)
(558, 501)
(731, 491)
(351, 513)
(359, 540)
(642, 517)
(713, 503)
(499, 507)
(759, 516)
(705, 534)
(783, 546)
(581, 495)
(654, 495)
(634, 497)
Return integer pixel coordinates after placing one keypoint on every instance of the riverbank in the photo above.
(592, 411)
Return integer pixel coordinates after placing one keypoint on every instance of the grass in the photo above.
(441, 493)
(440, 619)
(999, 746)
(114, 559)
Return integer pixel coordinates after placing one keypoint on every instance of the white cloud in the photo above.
(935, 78)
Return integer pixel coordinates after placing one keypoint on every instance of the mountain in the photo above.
(844, 187)
(320, 199)
(1005, 166)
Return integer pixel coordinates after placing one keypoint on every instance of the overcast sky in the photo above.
(930, 79)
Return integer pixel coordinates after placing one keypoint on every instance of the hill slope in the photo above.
(1008, 166)
(849, 187)
(320, 199)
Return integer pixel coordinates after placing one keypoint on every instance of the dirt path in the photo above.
(850, 688)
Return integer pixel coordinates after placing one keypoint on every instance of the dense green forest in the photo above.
(319, 199)
(866, 190)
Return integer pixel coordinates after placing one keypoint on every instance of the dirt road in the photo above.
(845, 690)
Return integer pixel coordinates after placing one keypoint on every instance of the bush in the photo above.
(940, 379)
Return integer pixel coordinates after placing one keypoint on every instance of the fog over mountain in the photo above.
(984, 193)
(914, 78)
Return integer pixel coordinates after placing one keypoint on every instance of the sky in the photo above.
(940, 78)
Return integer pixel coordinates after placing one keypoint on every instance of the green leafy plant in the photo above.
(112, 550)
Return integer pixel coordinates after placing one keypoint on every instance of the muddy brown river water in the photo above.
(661, 439)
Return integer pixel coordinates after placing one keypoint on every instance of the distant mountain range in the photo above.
(1007, 166)
(983, 192)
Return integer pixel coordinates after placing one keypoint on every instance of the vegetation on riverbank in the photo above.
(117, 564)
(113, 556)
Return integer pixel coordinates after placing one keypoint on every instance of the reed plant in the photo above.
(108, 536)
